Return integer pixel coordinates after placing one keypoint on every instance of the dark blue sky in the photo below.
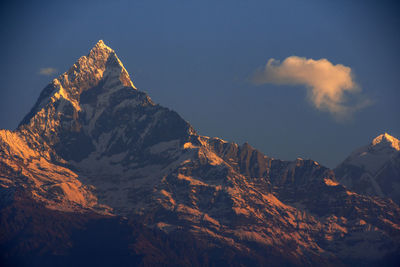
(197, 57)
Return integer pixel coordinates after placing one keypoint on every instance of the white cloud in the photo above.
(47, 71)
(331, 87)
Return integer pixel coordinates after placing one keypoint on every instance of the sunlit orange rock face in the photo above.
(96, 146)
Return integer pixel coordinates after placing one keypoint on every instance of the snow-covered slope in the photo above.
(94, 142)
(374, 169)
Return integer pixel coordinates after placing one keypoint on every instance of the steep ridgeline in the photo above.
(94, 143)
(374, 169)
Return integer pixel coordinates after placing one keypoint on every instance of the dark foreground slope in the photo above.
(33, 235)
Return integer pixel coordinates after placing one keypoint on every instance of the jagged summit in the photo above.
(100, 45)
(100, 51)
(100, 62)
(95, 108)
(100, 68)
(386, 139)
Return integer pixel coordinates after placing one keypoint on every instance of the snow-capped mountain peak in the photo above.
(373, 156)
(101, 67)
(374, 169)
(386, 139)
(101, 62)
(100, 45)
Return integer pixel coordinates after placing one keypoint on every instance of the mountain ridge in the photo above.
(94, 143)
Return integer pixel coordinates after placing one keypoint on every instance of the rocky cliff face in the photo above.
(93, 143)
(374, 169)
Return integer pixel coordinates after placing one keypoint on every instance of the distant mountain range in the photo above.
(98, 174)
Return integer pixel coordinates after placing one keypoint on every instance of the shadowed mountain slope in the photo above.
(374, 169)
